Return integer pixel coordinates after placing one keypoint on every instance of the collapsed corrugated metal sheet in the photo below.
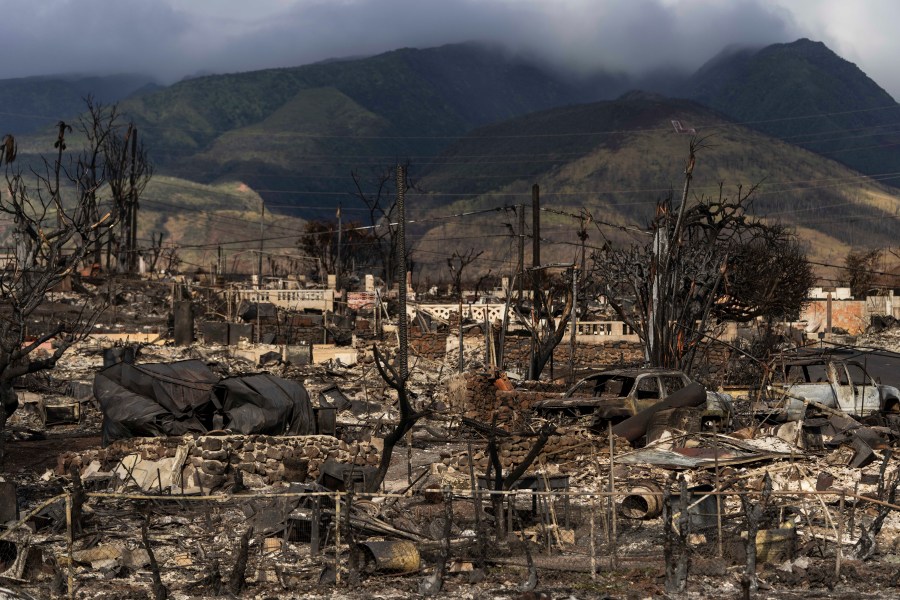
(155, 399)
(171, 399)
(265, 404)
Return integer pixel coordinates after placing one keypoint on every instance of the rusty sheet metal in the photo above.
(634, 428)
(394, 556)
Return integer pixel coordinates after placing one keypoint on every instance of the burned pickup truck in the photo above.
(613, 396)
(843, 386)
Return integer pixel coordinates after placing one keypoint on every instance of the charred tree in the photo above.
(408, 417)
(319, 239)
(457, 264)
(861, 271)
(508, 481)
(754, 512)
(159, 590)
(552, 307)
(61, 214)
(702, 263)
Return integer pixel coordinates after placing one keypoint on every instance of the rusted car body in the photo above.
(619, 394)
(844, 386)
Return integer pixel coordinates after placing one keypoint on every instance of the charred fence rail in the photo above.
(303, 540)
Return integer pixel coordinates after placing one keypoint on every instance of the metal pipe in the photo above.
(643, 501)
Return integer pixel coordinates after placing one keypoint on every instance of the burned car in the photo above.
(613, 396)
(840, 385)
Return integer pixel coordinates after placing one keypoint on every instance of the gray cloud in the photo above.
(88, 36)
(629, 35)
(174, 38)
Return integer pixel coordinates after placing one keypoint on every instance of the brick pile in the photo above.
(478, 396)
(429, 345)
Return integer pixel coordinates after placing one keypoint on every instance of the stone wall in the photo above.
(712, 365)
(208, 462)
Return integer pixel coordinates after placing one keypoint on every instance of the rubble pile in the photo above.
(805, 478)
(487, 396)
(573, 447)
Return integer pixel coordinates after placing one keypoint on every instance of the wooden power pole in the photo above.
(132, 242)
(402, 362)
(536, 272)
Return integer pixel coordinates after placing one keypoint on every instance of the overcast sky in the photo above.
(173, 38)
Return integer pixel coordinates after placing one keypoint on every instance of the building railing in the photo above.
(290, 299)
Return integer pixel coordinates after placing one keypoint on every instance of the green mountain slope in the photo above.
(197, 219)
(296, 133)
(616, 158)
(804, 93)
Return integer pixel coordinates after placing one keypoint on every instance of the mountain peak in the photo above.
(803, 92)
(807, 49)
(805, 43)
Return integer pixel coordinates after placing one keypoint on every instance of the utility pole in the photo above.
(132, 243)
(461, 358)
(573, 323)
(536, 240)
(521, 251)
(401, 260)
(337, 266)
(535, 273)
(582, 235)
(262, 219)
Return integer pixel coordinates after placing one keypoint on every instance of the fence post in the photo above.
(337, 538)
(69, 543)
(593, 542)
(838, 555)
(314, 526)
(612, 497)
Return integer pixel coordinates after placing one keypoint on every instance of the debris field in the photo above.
(252, 470)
